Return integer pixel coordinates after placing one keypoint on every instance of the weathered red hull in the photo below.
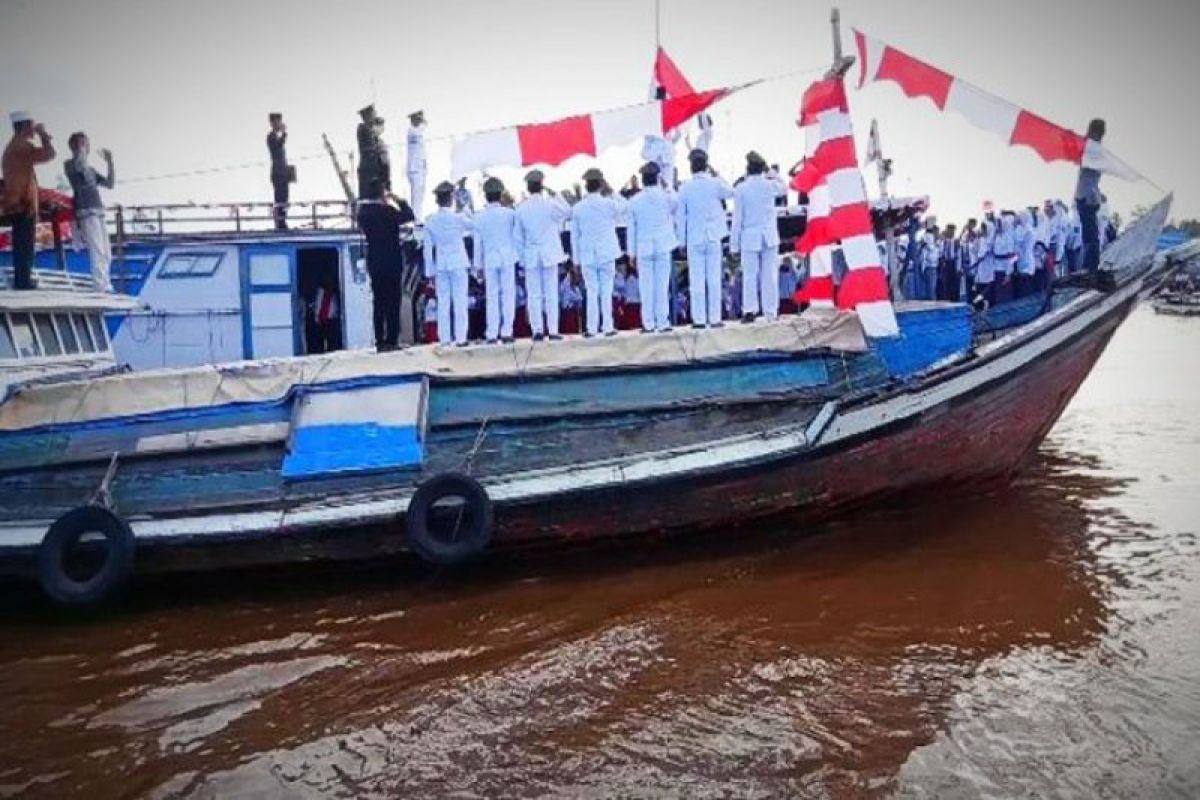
(968, 440)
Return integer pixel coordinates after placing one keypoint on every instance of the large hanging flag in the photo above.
(839, 216)
(554, 142)
(1016, 126)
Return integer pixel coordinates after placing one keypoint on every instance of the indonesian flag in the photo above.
(1016, 126)
(838, 214)
(552, 143)
(668, 77)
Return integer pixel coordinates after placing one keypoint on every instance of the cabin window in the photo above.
(47, 335)
(98, 335)
(22, 330)
(82, 332)
(66, 333)
(190, 265)
(7, 349)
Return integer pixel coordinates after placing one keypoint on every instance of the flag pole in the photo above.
(657, 26)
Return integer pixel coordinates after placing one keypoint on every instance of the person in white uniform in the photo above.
(446, 261)
(661, 150)
(755, 236)
(495, 255)
(539, 243)
(595, 249)
(650, 239)
(700, 225)
(415, 163)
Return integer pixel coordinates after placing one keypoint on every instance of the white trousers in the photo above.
(416, 193)
(541, 289)
(598, 280)
(452, 305)
(654, 283)
(704, 280)
(760, 282)
(95, 237)
(500, 288)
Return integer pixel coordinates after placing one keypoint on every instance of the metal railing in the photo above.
(197, 219)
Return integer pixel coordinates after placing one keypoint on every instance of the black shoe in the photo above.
(587, 335)
(462, 344)
(508, 340)
(537, 337)
(610, 333)
(491, 341)
(747, 319)
(647, 330)
(697, 325)
(717, 325)
(556, 337)
(664, 330)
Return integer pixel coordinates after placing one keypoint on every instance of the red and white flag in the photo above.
(879, 61)
(552, 143)
(668, 77)
(838, 214)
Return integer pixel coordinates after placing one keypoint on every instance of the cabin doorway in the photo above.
(319, 296)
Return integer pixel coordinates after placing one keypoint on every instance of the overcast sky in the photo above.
(177, 85)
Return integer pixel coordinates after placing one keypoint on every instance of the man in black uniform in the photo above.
(280, 171)
(373, 162)
(380, 222)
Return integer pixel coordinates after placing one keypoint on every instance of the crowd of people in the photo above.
(1003, 256)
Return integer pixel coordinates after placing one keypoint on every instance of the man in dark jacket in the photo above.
(280, 171)
(380, 222)
(373, 162)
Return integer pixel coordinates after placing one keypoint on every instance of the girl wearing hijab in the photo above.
(983, 268)
(1024, 238)
(1004, 254)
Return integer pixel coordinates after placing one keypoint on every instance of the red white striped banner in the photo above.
(838, 214)
(552, 143)
(1016, 126)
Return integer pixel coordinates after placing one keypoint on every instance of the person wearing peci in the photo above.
(495, 254)
(19, 202)
(539, 243)
(595, 249)
(414, 166)
(755, 236)
(380, 223)
(447, 263)
(89, 207)
(373, 161)
(651, 240)
(700, 225)
(281, 171)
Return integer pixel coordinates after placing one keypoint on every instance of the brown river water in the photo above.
(1038, 641)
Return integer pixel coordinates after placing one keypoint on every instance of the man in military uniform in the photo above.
(755, 235)
(415, 160)
(595, 248)
(539, 238)
(373, 162)
(446, 262)
(495, 255)
(700, 225)
(650, 238)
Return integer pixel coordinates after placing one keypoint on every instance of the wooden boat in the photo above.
(450, 452)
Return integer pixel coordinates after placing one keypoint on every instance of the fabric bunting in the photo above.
(838, 214)
(552, 143)
(882, 62)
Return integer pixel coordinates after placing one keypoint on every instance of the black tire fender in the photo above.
(470, 534)
(64, 534)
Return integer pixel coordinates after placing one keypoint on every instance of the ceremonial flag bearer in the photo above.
(595, 249)
(700, 225)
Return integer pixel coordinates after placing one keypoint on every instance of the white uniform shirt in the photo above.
(594, 229)
(651, 222)
(661, 151)
(539, 225)
(416, 149)
(444, 247)
(755, 220)
(495, 237)
(700, 217)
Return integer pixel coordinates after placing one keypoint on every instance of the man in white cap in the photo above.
(650, 239)
(495, 254)
(700, 225)
(446, 261)
(415, 163)
(19, 203)
(539, 241)
(755, 236)
(595, 249)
